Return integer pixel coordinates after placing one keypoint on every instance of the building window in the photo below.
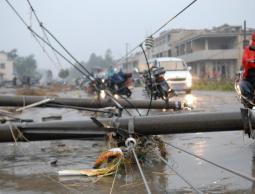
(2, 65)
(168, 37)
(169, 53)
(224, 46)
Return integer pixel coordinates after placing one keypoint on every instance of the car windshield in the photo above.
(173, 65)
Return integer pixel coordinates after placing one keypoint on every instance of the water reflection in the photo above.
(253, 169)
(199, 149)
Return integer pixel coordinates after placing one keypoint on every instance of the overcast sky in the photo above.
(86, 26)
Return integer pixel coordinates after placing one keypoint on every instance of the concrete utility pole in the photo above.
(126, 56)
(245, 41)
(152, 125)
(87, 102)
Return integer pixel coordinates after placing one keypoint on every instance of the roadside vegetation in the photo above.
(222, 85)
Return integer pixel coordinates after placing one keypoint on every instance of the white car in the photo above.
(177, 73)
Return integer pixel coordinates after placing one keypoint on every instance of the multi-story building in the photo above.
(212, 54)
(6, 67)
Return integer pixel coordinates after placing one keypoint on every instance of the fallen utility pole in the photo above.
(19, 101)
(152, 125)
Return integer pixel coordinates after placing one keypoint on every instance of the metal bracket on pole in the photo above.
(247, 122)
(131, 129)
(121, 132)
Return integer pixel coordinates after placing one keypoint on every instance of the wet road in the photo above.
(26, 168)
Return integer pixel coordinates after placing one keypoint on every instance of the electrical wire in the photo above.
(46, 37)
(42, 39)
(156, 31)
(252, 179)
(130, 103)
(165, 24)
(55, 38)
(179, 174)
(89, 76)
(149, 71)
(38, 36)
(141, 172)
(60, 105)
(44, 50)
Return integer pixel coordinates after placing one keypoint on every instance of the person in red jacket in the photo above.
(247, 83)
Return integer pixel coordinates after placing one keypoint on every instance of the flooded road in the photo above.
(32, 167)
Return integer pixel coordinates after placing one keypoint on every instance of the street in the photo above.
(27, 167)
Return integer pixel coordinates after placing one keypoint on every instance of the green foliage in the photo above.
(108, 59)
(26, 66)
(99, 61)
(95, 61)
(223, 85)
(73, 74)
(12, 54)
(63, 73)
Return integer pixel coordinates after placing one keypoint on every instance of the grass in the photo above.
(51, 90)
(223, 85)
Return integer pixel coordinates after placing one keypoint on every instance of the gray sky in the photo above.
(86, 26)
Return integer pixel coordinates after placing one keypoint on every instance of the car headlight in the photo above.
(102, 94)
(189, 81)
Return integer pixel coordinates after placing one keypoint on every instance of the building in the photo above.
(137, 60)
(212, 53)
(6, 67)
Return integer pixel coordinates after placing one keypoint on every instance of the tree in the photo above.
(12, 54)
(26, 66)
(63, 73)
(108, 58)
(49, 75)
(95, 61)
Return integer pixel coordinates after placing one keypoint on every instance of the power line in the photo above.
(42, 39)
(156, 31)
(141, 172)
(252, 179)
(182, 177)
(45, 30)
(149, 71)
(160, 28)
(44, 50)
(46, 37)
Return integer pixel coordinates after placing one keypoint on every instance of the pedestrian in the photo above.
(247, 83)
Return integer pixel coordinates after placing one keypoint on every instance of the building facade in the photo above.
(6, 67)
(212, 53)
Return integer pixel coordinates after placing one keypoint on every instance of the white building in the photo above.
(6, 67)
